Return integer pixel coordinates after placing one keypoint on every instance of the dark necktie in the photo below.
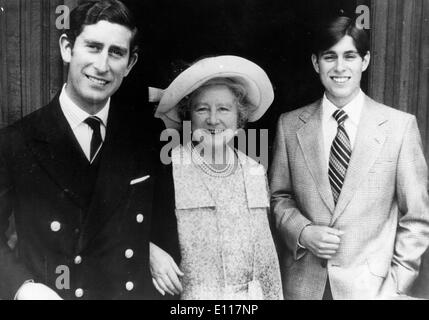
(339, 157)
(96, 140)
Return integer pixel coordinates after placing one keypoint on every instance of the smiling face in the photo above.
(214, 115)
(98, 61)
(340, 69)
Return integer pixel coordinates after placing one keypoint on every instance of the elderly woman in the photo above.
(219, 227)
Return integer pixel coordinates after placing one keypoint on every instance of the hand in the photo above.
(36, 291)
(165, 272)
(322, 241)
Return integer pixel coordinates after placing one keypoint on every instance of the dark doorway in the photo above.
(274, 34)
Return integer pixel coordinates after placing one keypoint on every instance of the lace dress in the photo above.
(226, 247)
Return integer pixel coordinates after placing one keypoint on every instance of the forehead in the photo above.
(346, 43)
(107, 33)
(216, 91)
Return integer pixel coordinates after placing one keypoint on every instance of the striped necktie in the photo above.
(339, 157)
(94, 123)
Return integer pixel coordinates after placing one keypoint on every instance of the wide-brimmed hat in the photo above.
(250, 75)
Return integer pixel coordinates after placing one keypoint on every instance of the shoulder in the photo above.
(27, 127)
(292, 121)
(179, 154)
(388, 111)
(302, 112)
(250, 165)
(393, 118)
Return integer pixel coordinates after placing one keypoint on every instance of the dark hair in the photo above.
(244, 107)
(90, 12)
(332, 31)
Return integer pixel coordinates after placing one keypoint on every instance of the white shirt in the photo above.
(330, 125)
(76, 116)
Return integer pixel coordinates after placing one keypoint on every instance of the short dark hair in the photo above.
(90, 12)
(332, 31)
(244, 107)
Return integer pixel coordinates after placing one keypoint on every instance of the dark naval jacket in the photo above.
(83, 230)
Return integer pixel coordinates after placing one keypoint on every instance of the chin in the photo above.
(97, 98)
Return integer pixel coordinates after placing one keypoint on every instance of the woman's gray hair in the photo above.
(244, 107)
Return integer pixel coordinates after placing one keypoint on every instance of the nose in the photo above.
(340, 65)
(212, 119)
(101, 62)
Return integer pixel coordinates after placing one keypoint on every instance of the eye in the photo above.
(93, 47)
(116, 53)
(224, 108)
(329, 57)
(351, 56)
(200, 108)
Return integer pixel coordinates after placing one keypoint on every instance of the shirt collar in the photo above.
(75, 115)
(353, 108)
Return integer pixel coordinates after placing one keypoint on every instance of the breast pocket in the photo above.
(141, 196)
(383, 165)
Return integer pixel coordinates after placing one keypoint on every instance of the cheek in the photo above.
(119, 72)
(324, 68)
(325, 79)
(196, 121)
(232, 122)
(358, 73)
(324, 73)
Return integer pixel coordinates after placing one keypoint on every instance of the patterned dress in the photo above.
(225, 242)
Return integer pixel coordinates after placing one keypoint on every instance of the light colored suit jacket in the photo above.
(383, 207)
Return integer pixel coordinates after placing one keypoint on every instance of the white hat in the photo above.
(250, 75)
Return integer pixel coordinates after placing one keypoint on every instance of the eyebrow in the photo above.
(333, 52)
(93, 42)
(123, 50)
(204, 104)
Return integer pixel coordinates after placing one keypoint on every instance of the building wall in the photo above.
(399, 74)
(31, 71)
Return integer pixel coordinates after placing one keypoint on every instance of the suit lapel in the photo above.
(310, 137)
(55, 147)
(368, 144)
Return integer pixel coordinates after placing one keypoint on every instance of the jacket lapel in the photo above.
(310, 137)
(56, 149)
(368, 144)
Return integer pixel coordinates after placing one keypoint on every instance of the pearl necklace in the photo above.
(207, 168)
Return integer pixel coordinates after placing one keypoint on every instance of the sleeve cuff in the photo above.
(17, 293)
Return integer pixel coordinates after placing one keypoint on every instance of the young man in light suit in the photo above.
(78, 175)
(349, 184)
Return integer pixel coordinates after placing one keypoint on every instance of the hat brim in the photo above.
(250, 75)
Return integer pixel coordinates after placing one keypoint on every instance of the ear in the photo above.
(66, 48)
(315, 62)
(366, 60)
(133, 60)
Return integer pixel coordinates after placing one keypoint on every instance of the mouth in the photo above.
(98, 81)
(215, 131)
(340, 80)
